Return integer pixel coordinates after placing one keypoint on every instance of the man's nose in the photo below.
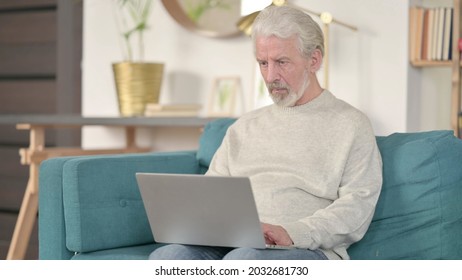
(273, 74)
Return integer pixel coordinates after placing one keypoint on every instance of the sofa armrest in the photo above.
(93, 203)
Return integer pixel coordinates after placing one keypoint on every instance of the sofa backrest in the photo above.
(210, 141)
(419, 212)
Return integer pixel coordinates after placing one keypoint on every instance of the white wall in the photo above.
(368, 68)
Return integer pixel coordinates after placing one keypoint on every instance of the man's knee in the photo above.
(171, 252)
(243, 254)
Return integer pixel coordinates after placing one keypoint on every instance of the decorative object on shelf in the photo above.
(222, 98)
(260, 96)
(246, 22)
(137, 82)
(210, 18)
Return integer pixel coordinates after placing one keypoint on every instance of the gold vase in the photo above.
(137, 84)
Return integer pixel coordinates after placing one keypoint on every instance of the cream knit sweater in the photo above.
(315, 170)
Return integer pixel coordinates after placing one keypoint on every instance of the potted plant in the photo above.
(137, 82)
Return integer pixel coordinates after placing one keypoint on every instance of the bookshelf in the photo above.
(427, 30)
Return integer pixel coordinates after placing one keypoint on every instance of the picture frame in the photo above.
(260, 96)
(222, 98)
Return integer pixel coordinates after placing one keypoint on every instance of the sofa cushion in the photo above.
(211, 139)
(141, 252)
(419, 212)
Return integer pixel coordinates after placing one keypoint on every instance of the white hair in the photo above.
(284, 22)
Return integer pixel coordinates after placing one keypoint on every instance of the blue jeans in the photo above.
(189, 252)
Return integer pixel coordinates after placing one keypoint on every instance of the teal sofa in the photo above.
(90, 207)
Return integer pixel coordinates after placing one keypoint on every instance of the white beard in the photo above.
(291, 98)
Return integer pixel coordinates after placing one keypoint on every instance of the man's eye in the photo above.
(263, 63)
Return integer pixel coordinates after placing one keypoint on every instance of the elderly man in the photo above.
(313, 161)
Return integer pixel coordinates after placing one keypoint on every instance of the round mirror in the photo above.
(212, 18)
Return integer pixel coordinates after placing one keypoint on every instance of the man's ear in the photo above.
(316, 61)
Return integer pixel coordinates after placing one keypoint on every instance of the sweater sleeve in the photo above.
(219, 164)
(347, 219)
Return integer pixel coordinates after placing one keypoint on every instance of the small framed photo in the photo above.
(222, 98)
(260, 97)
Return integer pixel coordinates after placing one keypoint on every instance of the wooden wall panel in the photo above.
(28, 27)
(26, 4)
(28, 61)
(28, 97)
(13, 179)
(8, 222)
(10, 136)
(28, 44)
(12, 190)
(38, 39)
(10, 164)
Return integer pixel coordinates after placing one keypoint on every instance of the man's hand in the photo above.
(276, 235)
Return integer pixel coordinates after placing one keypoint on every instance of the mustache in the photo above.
(277, 85)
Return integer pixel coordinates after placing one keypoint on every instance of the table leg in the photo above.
(130, 137)
(26, 219)
(28, 212)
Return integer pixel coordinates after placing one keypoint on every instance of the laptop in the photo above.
(202, 210)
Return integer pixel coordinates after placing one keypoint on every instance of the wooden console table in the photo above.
(37, 152)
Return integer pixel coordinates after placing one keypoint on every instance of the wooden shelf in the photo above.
(432, 63)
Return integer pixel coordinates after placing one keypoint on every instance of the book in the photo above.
(431, 24)
(435, 27)
(180, 110)
(413, 34)
(419, 33)
(425, 28)
(447, 37)
(451, 38)
(440, 33)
